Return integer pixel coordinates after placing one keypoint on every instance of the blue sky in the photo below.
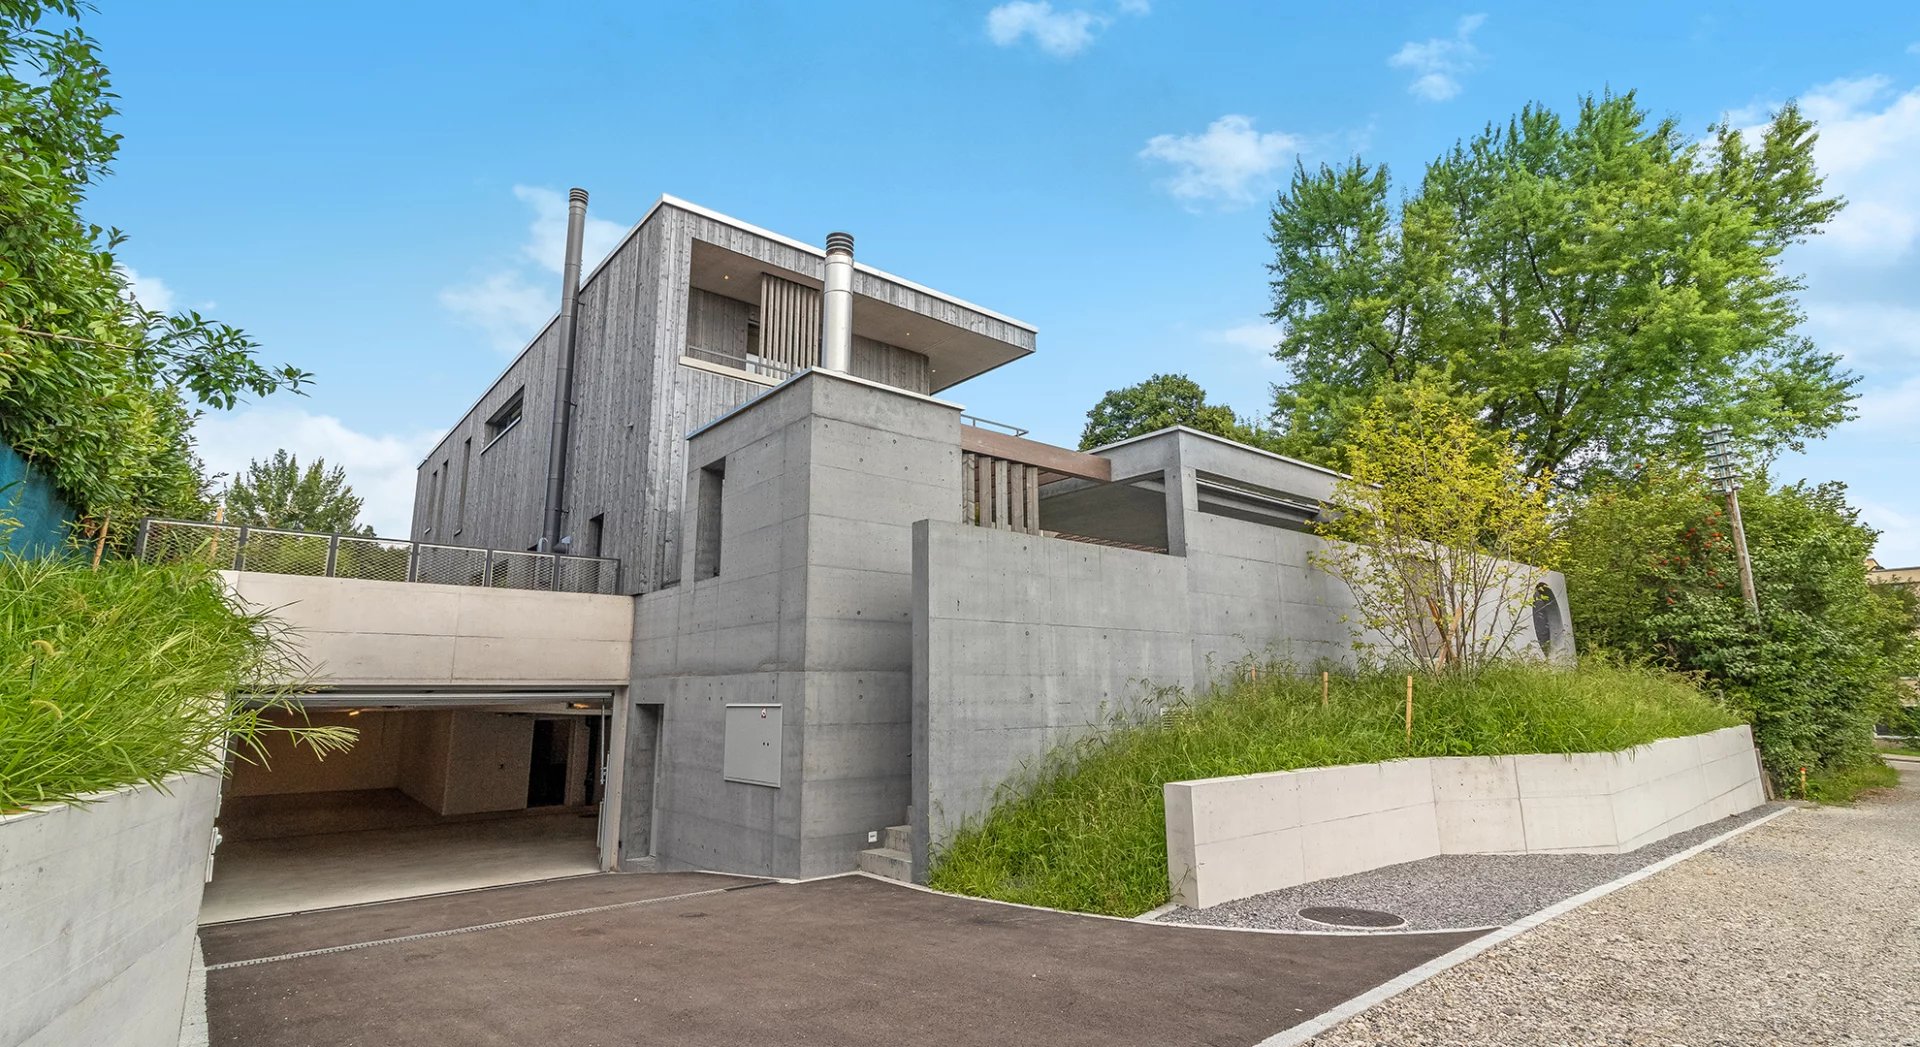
(373, 190)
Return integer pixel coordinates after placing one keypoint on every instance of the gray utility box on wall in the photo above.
(752, 753)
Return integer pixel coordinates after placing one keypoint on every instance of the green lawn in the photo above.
(1087, 830)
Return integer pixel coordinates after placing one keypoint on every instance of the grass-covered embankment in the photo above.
(1087, 831)
(120, 676)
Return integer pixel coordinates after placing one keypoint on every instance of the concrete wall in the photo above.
(1230, 838)
(357, 632)
(373, 762)
(811, 610)
(99, 915)
(1020, 644)
(1023, 642)
(463, 762)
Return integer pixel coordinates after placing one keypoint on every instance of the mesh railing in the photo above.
(274, 551)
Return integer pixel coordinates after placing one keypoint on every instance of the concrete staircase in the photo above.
(893, 859)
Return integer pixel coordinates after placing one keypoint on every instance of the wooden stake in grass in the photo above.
(1323, 689)
(1409, 708)
(101, 548)
(1803, 783)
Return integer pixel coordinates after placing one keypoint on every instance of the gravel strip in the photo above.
(1453, 890)
(1804, 931)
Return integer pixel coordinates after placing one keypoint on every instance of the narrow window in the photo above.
(706, 549)
(503, 420)
(466, 468)
(440, 497)
(596, 533)
(433, 495)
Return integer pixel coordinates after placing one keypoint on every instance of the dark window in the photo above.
(596, 534)
(1546, 616)
(706, 549)
(506, 417)
(466, 468)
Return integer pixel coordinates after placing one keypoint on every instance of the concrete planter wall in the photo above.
(98, 906)
(1230, 838)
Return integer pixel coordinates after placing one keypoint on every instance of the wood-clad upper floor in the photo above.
(691, 315)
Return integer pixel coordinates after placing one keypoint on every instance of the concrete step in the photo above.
(897, 838)
(887, 862)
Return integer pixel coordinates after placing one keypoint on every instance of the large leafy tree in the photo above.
(1603, 288)
(1651, 573)
(94, 387)
(280, 493)
(1159, 402)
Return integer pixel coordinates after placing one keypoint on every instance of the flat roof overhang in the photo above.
(955, 352)
(445, 698)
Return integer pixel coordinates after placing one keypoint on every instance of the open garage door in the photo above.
(443, 791)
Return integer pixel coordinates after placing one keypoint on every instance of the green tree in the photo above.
(1651, 574)
(1159, 402)
(279, 493)
(94, 387)
(1439, 532)
(1602, 288)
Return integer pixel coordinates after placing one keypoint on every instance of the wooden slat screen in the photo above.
(998, 493)
(789, 323)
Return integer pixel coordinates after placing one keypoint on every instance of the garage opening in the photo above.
(439, 794)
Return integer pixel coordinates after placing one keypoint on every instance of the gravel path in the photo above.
(1805, 931)
(1454, 890)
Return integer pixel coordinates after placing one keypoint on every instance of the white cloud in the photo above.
(546, 244)
(510, 304)
(380, 466)
(1890, 408)
(1867, 333)
(1439, 63)
(1899, 543)
(1229, 164)
(1255, 337)
(151, 292)
(1062, 33)
(506, 306)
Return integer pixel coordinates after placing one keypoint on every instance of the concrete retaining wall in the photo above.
(98, 907)
(1230, 838)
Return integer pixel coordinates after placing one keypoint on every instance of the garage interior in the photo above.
(438, 794)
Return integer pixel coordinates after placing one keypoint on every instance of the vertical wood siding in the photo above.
(634, 402)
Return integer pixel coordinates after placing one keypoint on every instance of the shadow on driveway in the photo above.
(846, 961)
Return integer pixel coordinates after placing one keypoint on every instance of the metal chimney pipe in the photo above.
(836, 307)
(563, 375)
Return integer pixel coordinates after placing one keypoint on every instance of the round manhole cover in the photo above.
(1343, 916)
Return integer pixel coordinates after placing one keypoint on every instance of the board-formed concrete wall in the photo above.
(98, 910)
(1230, 838)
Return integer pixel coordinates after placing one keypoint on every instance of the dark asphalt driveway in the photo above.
(720, 961)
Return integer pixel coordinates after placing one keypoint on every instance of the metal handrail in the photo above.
(754, 365)
(272, 550)
(987, 423)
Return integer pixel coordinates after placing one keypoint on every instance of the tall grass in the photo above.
(1086, 829)
(121, 675)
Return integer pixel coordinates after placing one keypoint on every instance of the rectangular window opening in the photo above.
(706, 549)
(596, 535)
(503, 420)
(466, 469)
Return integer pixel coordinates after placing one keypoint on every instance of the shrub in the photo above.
(1086, 830)
(121, 675)
(1651, 574)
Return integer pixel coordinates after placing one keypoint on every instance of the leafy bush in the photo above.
(1087, 829)
(1651, 574)
(122, 675)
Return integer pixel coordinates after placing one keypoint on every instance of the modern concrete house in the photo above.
(855, 612)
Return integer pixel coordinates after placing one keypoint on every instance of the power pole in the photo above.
(1725, 473)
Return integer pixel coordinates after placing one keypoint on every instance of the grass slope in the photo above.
(1086, 831)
